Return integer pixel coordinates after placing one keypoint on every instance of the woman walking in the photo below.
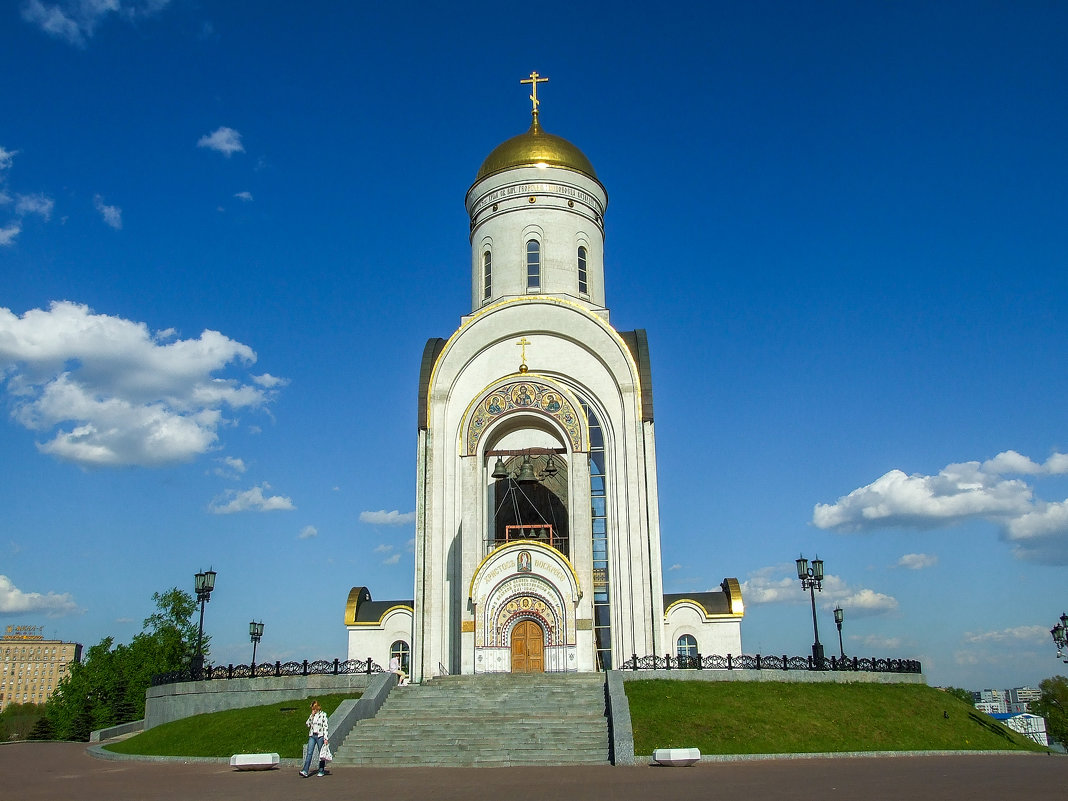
(318, 735)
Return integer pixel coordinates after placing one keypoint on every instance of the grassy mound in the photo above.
(272, 728)
(733, 717)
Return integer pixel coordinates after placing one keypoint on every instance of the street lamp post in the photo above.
(204, 582)
(839, 616)
(812, 580)
(255, 631)
(1060, 634)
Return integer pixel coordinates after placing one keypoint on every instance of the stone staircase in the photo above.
(496, 719)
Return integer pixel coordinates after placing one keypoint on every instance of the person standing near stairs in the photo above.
(318, 735)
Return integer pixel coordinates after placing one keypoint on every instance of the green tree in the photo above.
(1053, 706)
(18, 720)
(964, 695)
(108, 686)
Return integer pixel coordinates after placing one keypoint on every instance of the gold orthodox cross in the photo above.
(523, 353)
(534, 80)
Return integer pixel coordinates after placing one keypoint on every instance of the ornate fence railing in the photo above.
(759, 662)
(319, 667)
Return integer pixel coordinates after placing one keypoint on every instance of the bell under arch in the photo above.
(528, 493)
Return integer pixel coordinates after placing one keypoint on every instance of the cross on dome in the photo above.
(534, 80)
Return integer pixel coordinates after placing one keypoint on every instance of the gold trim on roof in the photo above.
(383, 616)
(734, 593)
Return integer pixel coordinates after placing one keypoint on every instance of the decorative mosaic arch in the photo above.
(530, 395)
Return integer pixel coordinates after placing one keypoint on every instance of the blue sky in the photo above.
(227, 229)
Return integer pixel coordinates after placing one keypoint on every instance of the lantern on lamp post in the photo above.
(839, 616)
(255, 631)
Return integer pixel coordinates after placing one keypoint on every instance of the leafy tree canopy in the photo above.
(1053, 706)
(964, 695)
(108, 686)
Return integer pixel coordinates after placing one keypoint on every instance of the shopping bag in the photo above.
(325, 754)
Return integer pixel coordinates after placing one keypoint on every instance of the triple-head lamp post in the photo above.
(812, 580)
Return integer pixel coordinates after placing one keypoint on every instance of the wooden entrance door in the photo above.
(528, 648)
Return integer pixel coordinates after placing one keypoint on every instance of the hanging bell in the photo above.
(526, 472)
(499, 470)
(550, 466)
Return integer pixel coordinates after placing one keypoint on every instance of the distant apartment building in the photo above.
(31, 666)
(1023, 696)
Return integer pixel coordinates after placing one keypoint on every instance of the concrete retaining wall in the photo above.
(133, 727)
(794, 676)
(183, 699)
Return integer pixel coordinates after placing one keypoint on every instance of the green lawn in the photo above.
(733, 717)
(273, 728)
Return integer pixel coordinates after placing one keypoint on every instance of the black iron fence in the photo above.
(319, 667)
(758, 662)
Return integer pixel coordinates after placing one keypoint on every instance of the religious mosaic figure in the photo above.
(522, 396)
(522, 562)
(551, 403)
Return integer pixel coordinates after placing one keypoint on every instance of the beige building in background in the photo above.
(31, 667)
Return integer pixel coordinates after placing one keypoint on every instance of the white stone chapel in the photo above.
(537, 523)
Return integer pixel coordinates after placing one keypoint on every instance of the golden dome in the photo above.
(536, 148)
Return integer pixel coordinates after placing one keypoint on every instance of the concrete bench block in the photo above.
(676, 757)
(254, 761)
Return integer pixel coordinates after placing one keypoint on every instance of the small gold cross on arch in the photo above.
(523, 353)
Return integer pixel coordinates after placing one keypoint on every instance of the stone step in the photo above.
(498, 719)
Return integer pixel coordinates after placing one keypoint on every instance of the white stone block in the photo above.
(676, 757)
(254, 761)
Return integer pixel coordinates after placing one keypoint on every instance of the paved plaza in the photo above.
(54, 771)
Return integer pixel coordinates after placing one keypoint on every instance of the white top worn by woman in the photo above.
(318, 724)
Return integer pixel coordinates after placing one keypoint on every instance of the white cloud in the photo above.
(917, 561)
(6, 157)
(76, 21)
(224, 140)
(308, 532)
(675, 567)
(232, 467)
(251, 500)
(245, 196)
(392, 560)
(269, 381)
(9, 232)
(875, 642)
(107, 392)
(768, 585)
(1037, 530)
(1018, 634)
(384, 518)
(383, 548)
(38, 203)
(15, 601)
(112, 214)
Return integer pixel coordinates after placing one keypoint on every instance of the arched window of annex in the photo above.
(686, 646)
(402, 653)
